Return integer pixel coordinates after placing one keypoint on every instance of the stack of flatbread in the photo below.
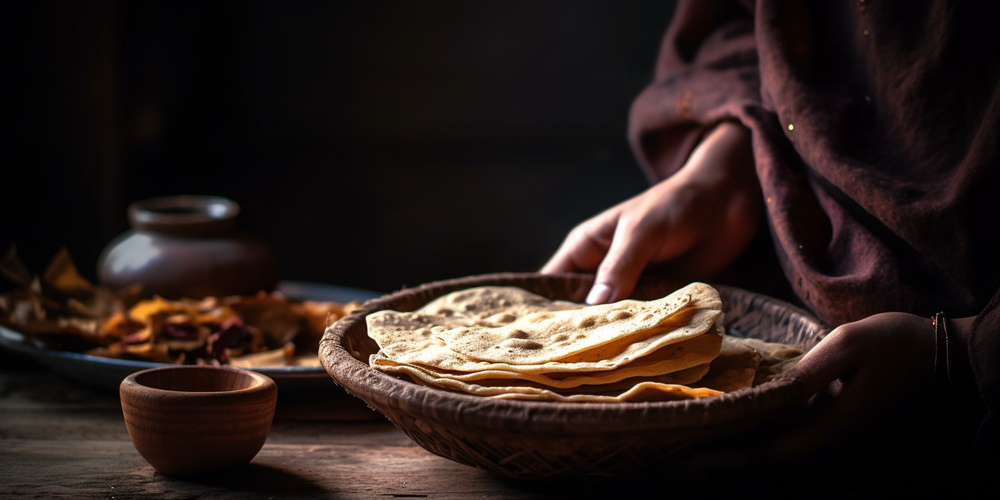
(505, 342)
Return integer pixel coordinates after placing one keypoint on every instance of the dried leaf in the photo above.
(63, 276)
(13, 269)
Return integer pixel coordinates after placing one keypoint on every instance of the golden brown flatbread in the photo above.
(506, 342)
(535, 337)
(642, 391)
(734, 368)
(561, 339)
(677, 357)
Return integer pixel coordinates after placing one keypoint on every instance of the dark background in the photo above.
(374, 144)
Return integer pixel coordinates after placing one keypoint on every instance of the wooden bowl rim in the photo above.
(264, 386)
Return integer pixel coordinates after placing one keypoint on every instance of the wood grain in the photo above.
(62, 440)
(59, 439)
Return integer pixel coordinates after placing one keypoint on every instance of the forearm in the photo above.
(722, 168)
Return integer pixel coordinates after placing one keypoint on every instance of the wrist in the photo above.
(724, 158)
(962, 385)
(959, 330)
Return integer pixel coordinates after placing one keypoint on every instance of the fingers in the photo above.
(619, 243)
(620, 269)
(883, 365)
(617, 250)
(837, 424)
(574, 256)
(584, 246)
(880, 338)
(826, 362)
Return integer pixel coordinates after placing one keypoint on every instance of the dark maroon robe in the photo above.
(875, 130)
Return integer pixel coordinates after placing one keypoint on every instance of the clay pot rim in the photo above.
(182, 210)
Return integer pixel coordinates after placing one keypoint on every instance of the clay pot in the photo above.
(187, 246)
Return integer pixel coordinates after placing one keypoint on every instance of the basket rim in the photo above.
(391, 395)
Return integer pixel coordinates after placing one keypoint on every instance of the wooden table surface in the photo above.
(62, 439)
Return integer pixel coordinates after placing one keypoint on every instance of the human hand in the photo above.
(871, 381)
(696, 222)
(873, 414)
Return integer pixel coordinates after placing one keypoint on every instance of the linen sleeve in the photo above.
(707, 71)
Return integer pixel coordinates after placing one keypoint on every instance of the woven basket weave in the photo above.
(559, 440)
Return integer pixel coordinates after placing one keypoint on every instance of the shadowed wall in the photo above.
(372, 144)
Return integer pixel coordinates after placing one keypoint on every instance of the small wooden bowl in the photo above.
(191, 420)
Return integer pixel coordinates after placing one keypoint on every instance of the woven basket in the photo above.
(560, 440)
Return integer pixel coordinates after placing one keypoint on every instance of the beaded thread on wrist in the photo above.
(941, 348)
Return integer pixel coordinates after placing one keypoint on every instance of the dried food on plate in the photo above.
(61, 310)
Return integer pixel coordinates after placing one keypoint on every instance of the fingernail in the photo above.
(599, 294)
